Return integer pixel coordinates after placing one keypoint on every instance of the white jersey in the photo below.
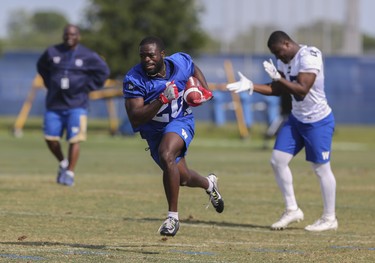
(314, 106)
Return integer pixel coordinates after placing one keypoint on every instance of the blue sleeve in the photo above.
(133, 87)
(98, 71)
(43, 67)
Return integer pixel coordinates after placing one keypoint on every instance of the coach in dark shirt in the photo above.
(69, 71)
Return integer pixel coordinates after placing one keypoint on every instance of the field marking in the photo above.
(353, 247)
(14, 256)
(195, 253)
(270, 250)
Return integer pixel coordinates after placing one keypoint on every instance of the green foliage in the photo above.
(35, 31)
(115, 28)
(48, 22)
(1, 47)
(368, 44)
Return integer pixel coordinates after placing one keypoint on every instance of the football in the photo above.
(192, 92)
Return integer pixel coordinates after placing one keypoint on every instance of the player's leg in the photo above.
(185, 129)
(283, 175)
(328, 188)
(288, 143)
(171, 224)
(327, 182)
(171, 184)
(191, 178)
(318, 151)
(53, 128)
(73, 153)
(76, 133)
(171, 146)
(55, 149)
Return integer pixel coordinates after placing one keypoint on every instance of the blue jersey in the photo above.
(69, 75)
(179, 67)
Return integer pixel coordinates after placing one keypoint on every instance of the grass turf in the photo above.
(113, 212)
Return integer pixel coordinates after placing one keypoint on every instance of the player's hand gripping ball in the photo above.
(193, 94)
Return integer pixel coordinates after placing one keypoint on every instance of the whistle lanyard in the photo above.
(70, 61)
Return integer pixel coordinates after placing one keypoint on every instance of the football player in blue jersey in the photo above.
(153, 92)
(300, 73)
(69, 71)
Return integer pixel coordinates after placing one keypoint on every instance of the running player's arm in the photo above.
(139, 113)
(199, 75)
(207, 94)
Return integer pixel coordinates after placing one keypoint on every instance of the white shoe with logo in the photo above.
(215, 197)
(323, 224)
(288, 217)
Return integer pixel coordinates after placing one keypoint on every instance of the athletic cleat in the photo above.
(289, 216)
(323, 224)
(169, 227)
(215, 197)
(60, 175)
(68, 178)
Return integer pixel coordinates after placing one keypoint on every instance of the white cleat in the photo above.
(215, 197)
(323, 224)
(288, 217)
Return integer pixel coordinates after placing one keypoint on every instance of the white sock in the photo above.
(328, 188)
(173, 214)
(69, 173)
(283, 176)
(64, 164)
(210, 186)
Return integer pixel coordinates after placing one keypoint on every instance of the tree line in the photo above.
(114, 28)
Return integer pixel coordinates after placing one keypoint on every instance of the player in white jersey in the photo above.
(310, 125)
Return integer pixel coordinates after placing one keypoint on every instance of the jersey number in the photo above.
(169, 111)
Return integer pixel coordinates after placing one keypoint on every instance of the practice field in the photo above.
(113, 212)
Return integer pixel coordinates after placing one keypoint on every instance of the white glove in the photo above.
(242, 85)
(271, 70)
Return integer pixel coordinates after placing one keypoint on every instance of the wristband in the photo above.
(163, 99)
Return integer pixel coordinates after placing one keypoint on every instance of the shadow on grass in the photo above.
(191, 221)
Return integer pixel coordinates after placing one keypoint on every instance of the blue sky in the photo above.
(226, 17)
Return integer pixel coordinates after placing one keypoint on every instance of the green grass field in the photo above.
(113, 212)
